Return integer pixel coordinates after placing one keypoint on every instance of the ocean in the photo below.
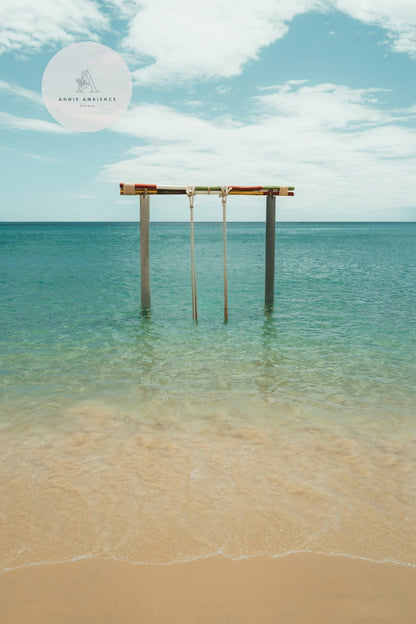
(155, 439)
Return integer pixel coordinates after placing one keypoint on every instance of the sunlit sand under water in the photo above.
(178, 482)
(158, 440)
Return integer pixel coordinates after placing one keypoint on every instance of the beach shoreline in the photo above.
(300, 588)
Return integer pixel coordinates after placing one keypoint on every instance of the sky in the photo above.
(316, 94)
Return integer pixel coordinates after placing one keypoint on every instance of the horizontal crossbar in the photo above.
(153, 189)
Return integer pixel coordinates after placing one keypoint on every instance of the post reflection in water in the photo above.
(269, 380)
(145, 339)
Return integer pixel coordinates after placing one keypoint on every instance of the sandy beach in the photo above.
(297, 589)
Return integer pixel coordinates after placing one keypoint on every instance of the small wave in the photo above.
(212, 555)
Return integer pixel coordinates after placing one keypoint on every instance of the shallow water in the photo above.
(155, 439)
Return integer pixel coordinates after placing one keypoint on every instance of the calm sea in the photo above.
(156, 439)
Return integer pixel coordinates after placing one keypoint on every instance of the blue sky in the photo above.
(319, 94)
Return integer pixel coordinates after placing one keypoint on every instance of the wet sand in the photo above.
(298, 589)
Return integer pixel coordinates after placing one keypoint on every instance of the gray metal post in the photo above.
(144, 252)
(270, 249)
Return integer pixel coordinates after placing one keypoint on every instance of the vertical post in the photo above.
(193, 273)
(224, 236)
(270, 249)
(144, 252)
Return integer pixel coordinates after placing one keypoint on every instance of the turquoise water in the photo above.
(284, 430)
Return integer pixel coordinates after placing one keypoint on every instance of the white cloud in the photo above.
(14, 89)
(28, 154)
(347, 156)
(331, 106)
(28, 25)
(187, 39)
(397, 17)
(27, 123)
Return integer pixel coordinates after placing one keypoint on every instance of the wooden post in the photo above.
(144, 252)
(270, 249)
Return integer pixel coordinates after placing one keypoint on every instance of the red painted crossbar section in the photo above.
(132, 189)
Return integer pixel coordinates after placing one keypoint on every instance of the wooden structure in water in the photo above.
(146, 190)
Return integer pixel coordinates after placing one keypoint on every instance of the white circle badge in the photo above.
(86, 87)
